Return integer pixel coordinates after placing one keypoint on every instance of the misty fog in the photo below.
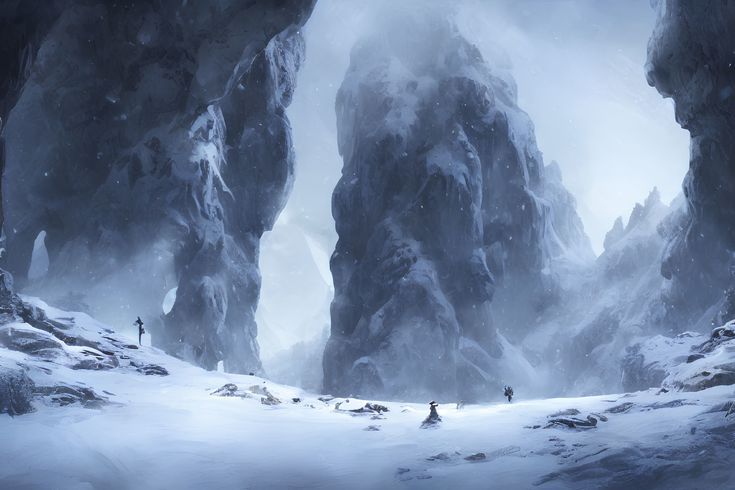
(579, 71)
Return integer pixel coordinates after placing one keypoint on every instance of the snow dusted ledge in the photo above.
(107, 413)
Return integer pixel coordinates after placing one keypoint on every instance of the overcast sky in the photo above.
(579, 69)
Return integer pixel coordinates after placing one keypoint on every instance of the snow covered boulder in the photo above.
(687, 362)
(712, 363)
(24, 338)
(149, 369)
(647, 363)
(63, 394)
(228, 390)
(16, 391)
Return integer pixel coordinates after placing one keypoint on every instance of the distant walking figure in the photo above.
(508, 393)
(141, 330)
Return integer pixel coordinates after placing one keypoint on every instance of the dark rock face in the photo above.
(442, 192)
(22, 28)
(16, 391)
(167, 154)
(691, 60)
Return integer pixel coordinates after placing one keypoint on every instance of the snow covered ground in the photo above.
(171, 432)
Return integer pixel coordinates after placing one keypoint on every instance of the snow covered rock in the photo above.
(564, 236)
(710, 364)
(648, 363)
(167, 154)
(64, 394)
(229, 390)
(16, 391)
(43, 351)
(687, 362)
(442, 192)
(690, 59)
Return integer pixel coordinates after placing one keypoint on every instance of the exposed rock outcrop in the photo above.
(167, 154)
(442, 201)
(649, 362)
(691, 60)
(16, 391)
(22, 28)
(687, 362)
(709, 364)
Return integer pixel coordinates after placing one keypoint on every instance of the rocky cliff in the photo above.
(22, 28)
(691, 60)
(443, 201)
(166, 154)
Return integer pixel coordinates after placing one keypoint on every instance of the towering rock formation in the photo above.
(22, 28)
(166, 154)
(442, 200)
(691, 59)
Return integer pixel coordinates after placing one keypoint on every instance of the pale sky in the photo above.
(579, 69)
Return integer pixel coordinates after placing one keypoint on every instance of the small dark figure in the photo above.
(460, 405)
(141, 330)
(433, 417)
(508, 393)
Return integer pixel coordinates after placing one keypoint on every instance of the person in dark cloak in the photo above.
(508, 393)
(433, 417)
(141, 330)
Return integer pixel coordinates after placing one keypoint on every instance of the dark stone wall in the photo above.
(443, 201)
(691, 59)
(151, 145)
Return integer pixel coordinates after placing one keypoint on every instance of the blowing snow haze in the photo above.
(580, 76)
(499, 232)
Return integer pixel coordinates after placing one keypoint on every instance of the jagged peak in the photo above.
(642, 211)
(654, 197)
(552, 171)
(615, 234)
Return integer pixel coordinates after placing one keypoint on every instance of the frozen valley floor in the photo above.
(150, 431)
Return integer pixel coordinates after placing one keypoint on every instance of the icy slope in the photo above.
(173, 432)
